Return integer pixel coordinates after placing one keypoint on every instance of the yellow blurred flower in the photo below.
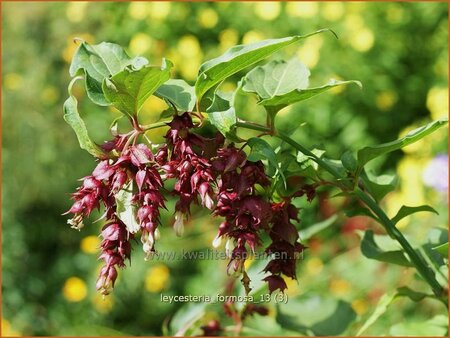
(140, 43)
(339, 287)
(267, 10)
(207, 18)
(157, 278)
(314, 265)
(228, 38)
(252, 36)
(50, 94)
(248, 263)
(302, 9)
(90, 244)
(385, 100)
(74, 289)
(410, 172)
(103, 304)
(360, 306)
(293, 288)
(12, 81)
(7, 330)
(188, 46)
(152, 109)
(159, 9)
(362, 40)
(395, 14)
(353, 22)
(437, 102)
(138, 10)
(332, 11)
(72, 46)
(309, 52)
(75, 10)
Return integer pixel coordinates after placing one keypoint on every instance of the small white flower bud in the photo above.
(178, 226)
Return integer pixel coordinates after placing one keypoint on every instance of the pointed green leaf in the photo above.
(129, 89)
(442, 249)
(73, 118)
(261, 150)
(180, 93)
(406, 211)
(221, 113)
(361, 211)
(98, 62)
(381, 308)
(382, 248)
(411, 294)
(280, 101)
(379, 186)
(349, 161)
(126, 210)
(239, 57)
(369, 153)
(277, 78)
(311, 230)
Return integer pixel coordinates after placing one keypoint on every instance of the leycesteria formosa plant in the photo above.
(243, 182)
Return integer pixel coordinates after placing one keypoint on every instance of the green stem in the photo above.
(416, 259)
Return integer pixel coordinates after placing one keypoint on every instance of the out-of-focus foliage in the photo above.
(397, 50)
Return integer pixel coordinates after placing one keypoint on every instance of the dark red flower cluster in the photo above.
(206, 172)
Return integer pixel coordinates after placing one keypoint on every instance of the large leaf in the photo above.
(129, 89)
(101, 61)
(221, 113)
(442, 249)
(316, 315)
(239, 57)
(179, 93)
(283, 100)
(382, 248)
(369, 153)
(434, 327)
(126, 210)
(281, 83)
(406, 211)
(277, 78)
(73, 118)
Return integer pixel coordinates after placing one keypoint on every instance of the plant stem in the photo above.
(417, 260)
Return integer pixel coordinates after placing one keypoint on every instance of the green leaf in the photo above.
(349, 161)
(406, 211)
(381, 308)
(281, 83)
(261, 150)
(239, 57)
(73, 118)
(379, 186)
(411, 294)
(434, 327)
(98, 62)
(126, 210)
(180, 93)
(221, 113)
(316, 315)
(311, 230)
(129, 89)
(280, 101)
(442, 249)
(369, 153)
(360, 211)
(382, 248)
(277, 78)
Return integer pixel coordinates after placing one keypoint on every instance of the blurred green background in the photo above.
(399, 51)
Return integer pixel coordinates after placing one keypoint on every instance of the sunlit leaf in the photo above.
(221, 113)
(179, 93)
(239, 57)
(73, 118)
(369, 153)
(101, 61)
(126, 210)
(129, 89)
